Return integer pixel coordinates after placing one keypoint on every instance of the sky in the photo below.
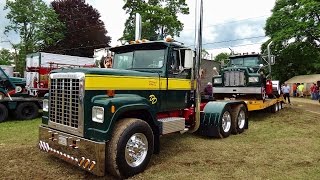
(229, 23)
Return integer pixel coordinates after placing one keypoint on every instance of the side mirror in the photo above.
(272, 60)
(188, 63)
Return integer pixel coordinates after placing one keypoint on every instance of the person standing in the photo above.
(294, 89)
(286, 92)
(312, 91)
(208, 89)
(300, 88)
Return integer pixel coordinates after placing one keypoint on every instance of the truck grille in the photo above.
(65, 103)
(234, 78)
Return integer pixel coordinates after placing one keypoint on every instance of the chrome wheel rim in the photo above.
(276, 106)
(136, 149)
(226, 121)
(241, 119)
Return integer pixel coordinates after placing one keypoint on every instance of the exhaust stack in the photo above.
(138, 27)
(198, 49)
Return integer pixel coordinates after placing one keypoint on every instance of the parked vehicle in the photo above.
(111, 120)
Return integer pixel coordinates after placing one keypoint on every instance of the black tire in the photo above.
(117, 156)
(225, 122)
(27, 110)
(239, 119)
(3, 113)
(274, 108)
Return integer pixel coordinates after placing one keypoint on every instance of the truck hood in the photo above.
(104, 71)
(16, 80)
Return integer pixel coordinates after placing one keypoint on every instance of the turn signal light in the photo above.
(92, 165)
(81, 161)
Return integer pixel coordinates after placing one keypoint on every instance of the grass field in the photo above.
(285, 145)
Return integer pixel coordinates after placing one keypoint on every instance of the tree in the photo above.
(6, 57)
(35, 22)
(159, 18)
(223, 57)
(84, 29)
(294, 28)
(297, 20)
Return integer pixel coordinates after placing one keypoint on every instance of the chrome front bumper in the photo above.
(237, 90)
(86, 154)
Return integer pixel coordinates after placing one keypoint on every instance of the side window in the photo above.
(176, 64)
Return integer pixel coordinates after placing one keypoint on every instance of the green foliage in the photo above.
(159, 18)
(222, 57)
(6, 57)
(84, 29)
(35, 22)
(294, 28)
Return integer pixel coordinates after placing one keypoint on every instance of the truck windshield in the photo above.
(139, 59)
(246, 61)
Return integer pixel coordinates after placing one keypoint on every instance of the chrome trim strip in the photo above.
(237, 90)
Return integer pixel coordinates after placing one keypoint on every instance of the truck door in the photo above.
(178, 81)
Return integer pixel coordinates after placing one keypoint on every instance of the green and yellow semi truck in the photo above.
(110, 120)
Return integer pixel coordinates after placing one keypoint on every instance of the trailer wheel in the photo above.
(2, 95)
(130, 149)
(226, 120)
(239, 119)
(27, 110)
(3, 113)
(274, 108)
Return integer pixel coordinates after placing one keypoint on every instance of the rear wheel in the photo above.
(130, 149)
(239, 119)
(27, 110)
(274, 108)
(3, 113)
(225, 125)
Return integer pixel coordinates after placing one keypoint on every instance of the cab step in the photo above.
(171, 124)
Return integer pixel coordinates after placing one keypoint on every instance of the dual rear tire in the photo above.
(233, 121)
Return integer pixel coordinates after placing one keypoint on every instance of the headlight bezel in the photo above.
(98, 114)
(217, 80)
(253, 79)
(45, 105)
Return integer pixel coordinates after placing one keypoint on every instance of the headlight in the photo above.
(253, 79)
(45, 105)
(97, 114)
(217, 80)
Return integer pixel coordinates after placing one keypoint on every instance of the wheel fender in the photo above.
(210, 118)
(123, 103)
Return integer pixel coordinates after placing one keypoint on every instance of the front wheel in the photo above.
(130, 149)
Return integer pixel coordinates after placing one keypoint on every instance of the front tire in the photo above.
(3, 113)
(130, 149)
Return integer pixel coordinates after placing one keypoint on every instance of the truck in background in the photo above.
(39, 65)
(248, 77)
(23, 96)
(15, 98)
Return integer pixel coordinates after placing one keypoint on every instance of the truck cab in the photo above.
(10, 85)
(244, 75)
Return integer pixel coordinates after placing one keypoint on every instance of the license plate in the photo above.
(62, 140)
